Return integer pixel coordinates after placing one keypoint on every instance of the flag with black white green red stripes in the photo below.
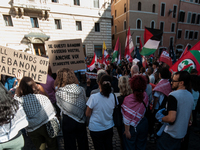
(152, 39)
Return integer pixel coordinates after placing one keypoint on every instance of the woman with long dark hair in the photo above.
(100, 109)
(39, 111)
(133, 110)
(12, 120)
(71, 99)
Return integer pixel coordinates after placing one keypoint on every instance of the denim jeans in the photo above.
(138, 136)
(166, 142)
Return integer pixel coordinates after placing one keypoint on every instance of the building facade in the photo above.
(179, 20)
(135, 14)
(27, 24)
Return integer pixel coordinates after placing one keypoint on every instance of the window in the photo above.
(152, 24)
(193, 18)
(139, 24)
(186, 34)
(162, 9)
(8, 20)
(98, 50)
(154, 8)
(124, 8)
(137, 40)
(196, 35)
(113, 37)
(34, 22)
(115, 13)
(78, 26)
(97, 27)
(55, 1)
(181, 16)
(189, 17)
(124, 25)
(96, 3)
(139, 6)
(174, 11)
(77, 2)
(173, 27)
(191, 0)
(198, 19)
(162, 26)
(196, 1)
(179, 34)
(58, 24)
(115, 29)
(191, 35)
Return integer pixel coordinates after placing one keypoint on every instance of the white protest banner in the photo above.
(66, 54)
(13, 61)
(91, 75)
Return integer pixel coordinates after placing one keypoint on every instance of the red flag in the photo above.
(189, 61)
(164, 57)
(185, 51)
(196, 46)
(144, 62)
(92, 65)
(129, 47)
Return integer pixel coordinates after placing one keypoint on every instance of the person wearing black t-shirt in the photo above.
(179, 108)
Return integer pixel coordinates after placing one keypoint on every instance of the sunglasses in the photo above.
(174, 81)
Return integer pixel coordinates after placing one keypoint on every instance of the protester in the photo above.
(39, 111)
(100, 109)
(160, 93)
(13, 119)
(151, 75)
(179, 108)
(134, 70)
(124, 90)
(71, 99)
(133, 110)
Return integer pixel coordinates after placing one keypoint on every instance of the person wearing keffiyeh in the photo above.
(133, 110)
(71, 99)
(39, 111)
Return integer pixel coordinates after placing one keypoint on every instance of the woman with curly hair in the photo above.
(133, 110)
(100, 107)
(71, 99)
(39, 111)
(12, 120)
(124, 90)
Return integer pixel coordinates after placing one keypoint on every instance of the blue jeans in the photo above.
(166, 142)
(138, 138)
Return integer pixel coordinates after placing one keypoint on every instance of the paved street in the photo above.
(193, 144)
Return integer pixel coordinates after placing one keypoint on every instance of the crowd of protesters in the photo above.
(155, 105)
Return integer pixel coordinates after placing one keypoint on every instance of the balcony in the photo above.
(31, 5)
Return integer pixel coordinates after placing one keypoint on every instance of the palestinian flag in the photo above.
(189, 61)
(115, 53)
(92, 65)
(152, 39)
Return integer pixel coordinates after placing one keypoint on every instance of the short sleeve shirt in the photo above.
(102, 110)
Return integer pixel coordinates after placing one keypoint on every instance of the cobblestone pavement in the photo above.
(193, 144)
